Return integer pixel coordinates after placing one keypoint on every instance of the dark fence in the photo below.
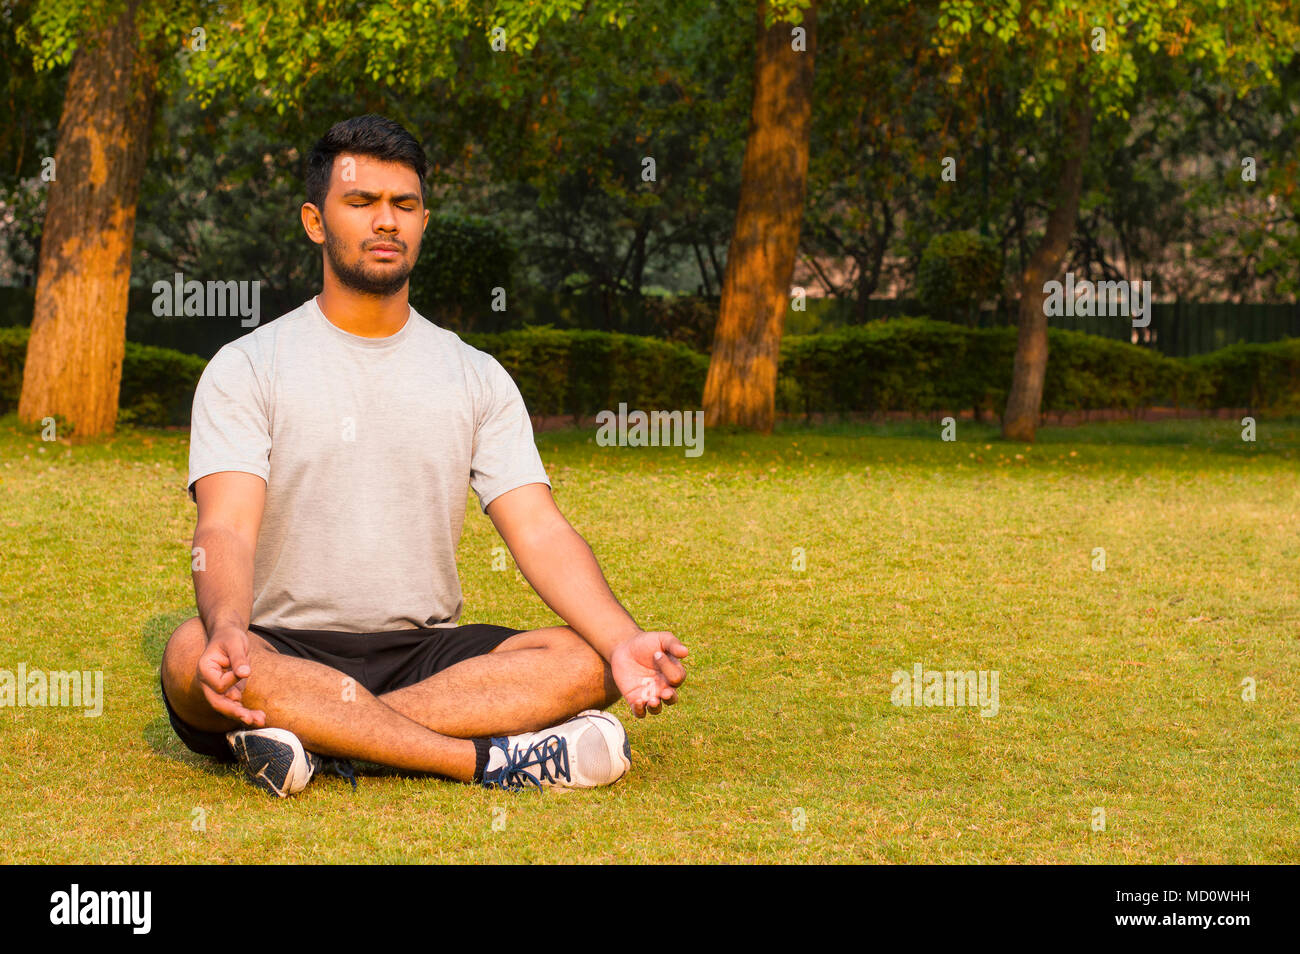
(1182, 329)
(1177, 329)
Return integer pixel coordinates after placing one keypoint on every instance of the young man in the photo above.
(331, 455)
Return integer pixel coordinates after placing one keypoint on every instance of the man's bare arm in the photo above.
(562, 568)
(231, 504)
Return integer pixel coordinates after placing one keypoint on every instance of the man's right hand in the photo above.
(223, 667)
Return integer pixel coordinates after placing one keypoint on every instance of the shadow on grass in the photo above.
(158, 733)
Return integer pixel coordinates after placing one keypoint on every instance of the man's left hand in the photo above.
(646, 669)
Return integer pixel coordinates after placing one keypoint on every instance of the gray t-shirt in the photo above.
(368, 447)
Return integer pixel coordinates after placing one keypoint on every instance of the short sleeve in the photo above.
(505, 453)
(229, 424)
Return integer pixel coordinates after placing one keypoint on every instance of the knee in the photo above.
(180, 677)
(591, 672)
(180, 660)
(265, 683)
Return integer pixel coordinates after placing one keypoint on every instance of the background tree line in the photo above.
(1115, 160)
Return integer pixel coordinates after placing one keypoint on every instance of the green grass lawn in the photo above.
(1119, 689)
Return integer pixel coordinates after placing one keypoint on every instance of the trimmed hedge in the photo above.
(558, 372)
(582, 372)
(1265, 376)
(921, 365)
(906, 364)
(157, 383)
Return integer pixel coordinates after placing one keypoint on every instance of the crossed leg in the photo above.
(531, 680)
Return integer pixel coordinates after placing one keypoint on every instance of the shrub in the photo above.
(921, 365)
(461, 261)
(910, 364)
(582, 372)
(958, 270)
(1255, 376)
(157, 383)
(688, 319)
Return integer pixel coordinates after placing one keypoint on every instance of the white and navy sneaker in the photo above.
(274, 760)
(587, 751)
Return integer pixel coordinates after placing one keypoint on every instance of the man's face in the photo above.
(372, 223)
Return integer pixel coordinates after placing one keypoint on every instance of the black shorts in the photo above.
(381, 662)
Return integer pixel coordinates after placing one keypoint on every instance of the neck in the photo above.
(366, 316)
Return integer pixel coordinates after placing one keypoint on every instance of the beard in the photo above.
(379, 280)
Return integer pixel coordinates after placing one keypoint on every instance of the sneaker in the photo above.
(274, 760)
(587, 751)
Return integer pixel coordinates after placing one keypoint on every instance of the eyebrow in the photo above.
(404, 197)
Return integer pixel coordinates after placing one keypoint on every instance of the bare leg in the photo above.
(307, 698)
(532, 680)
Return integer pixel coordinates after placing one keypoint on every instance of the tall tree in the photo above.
(1029, 370)
(1089, 58)
(741, 385)
(74, 356)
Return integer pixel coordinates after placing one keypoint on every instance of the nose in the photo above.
(386, 219)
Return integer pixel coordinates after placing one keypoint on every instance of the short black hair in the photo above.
(368, 135)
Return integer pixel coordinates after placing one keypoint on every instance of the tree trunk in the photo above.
(705, 288)
(713, 260)
(1024, 402)
(741, 385)
(870, 268)
(74, 356)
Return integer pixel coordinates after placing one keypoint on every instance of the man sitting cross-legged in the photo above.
(331, 454)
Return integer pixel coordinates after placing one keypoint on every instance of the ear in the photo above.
(311, 223)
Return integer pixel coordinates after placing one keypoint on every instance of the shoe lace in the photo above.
(340, 767)
(550, 755)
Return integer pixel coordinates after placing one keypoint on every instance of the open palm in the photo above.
(647, 671)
